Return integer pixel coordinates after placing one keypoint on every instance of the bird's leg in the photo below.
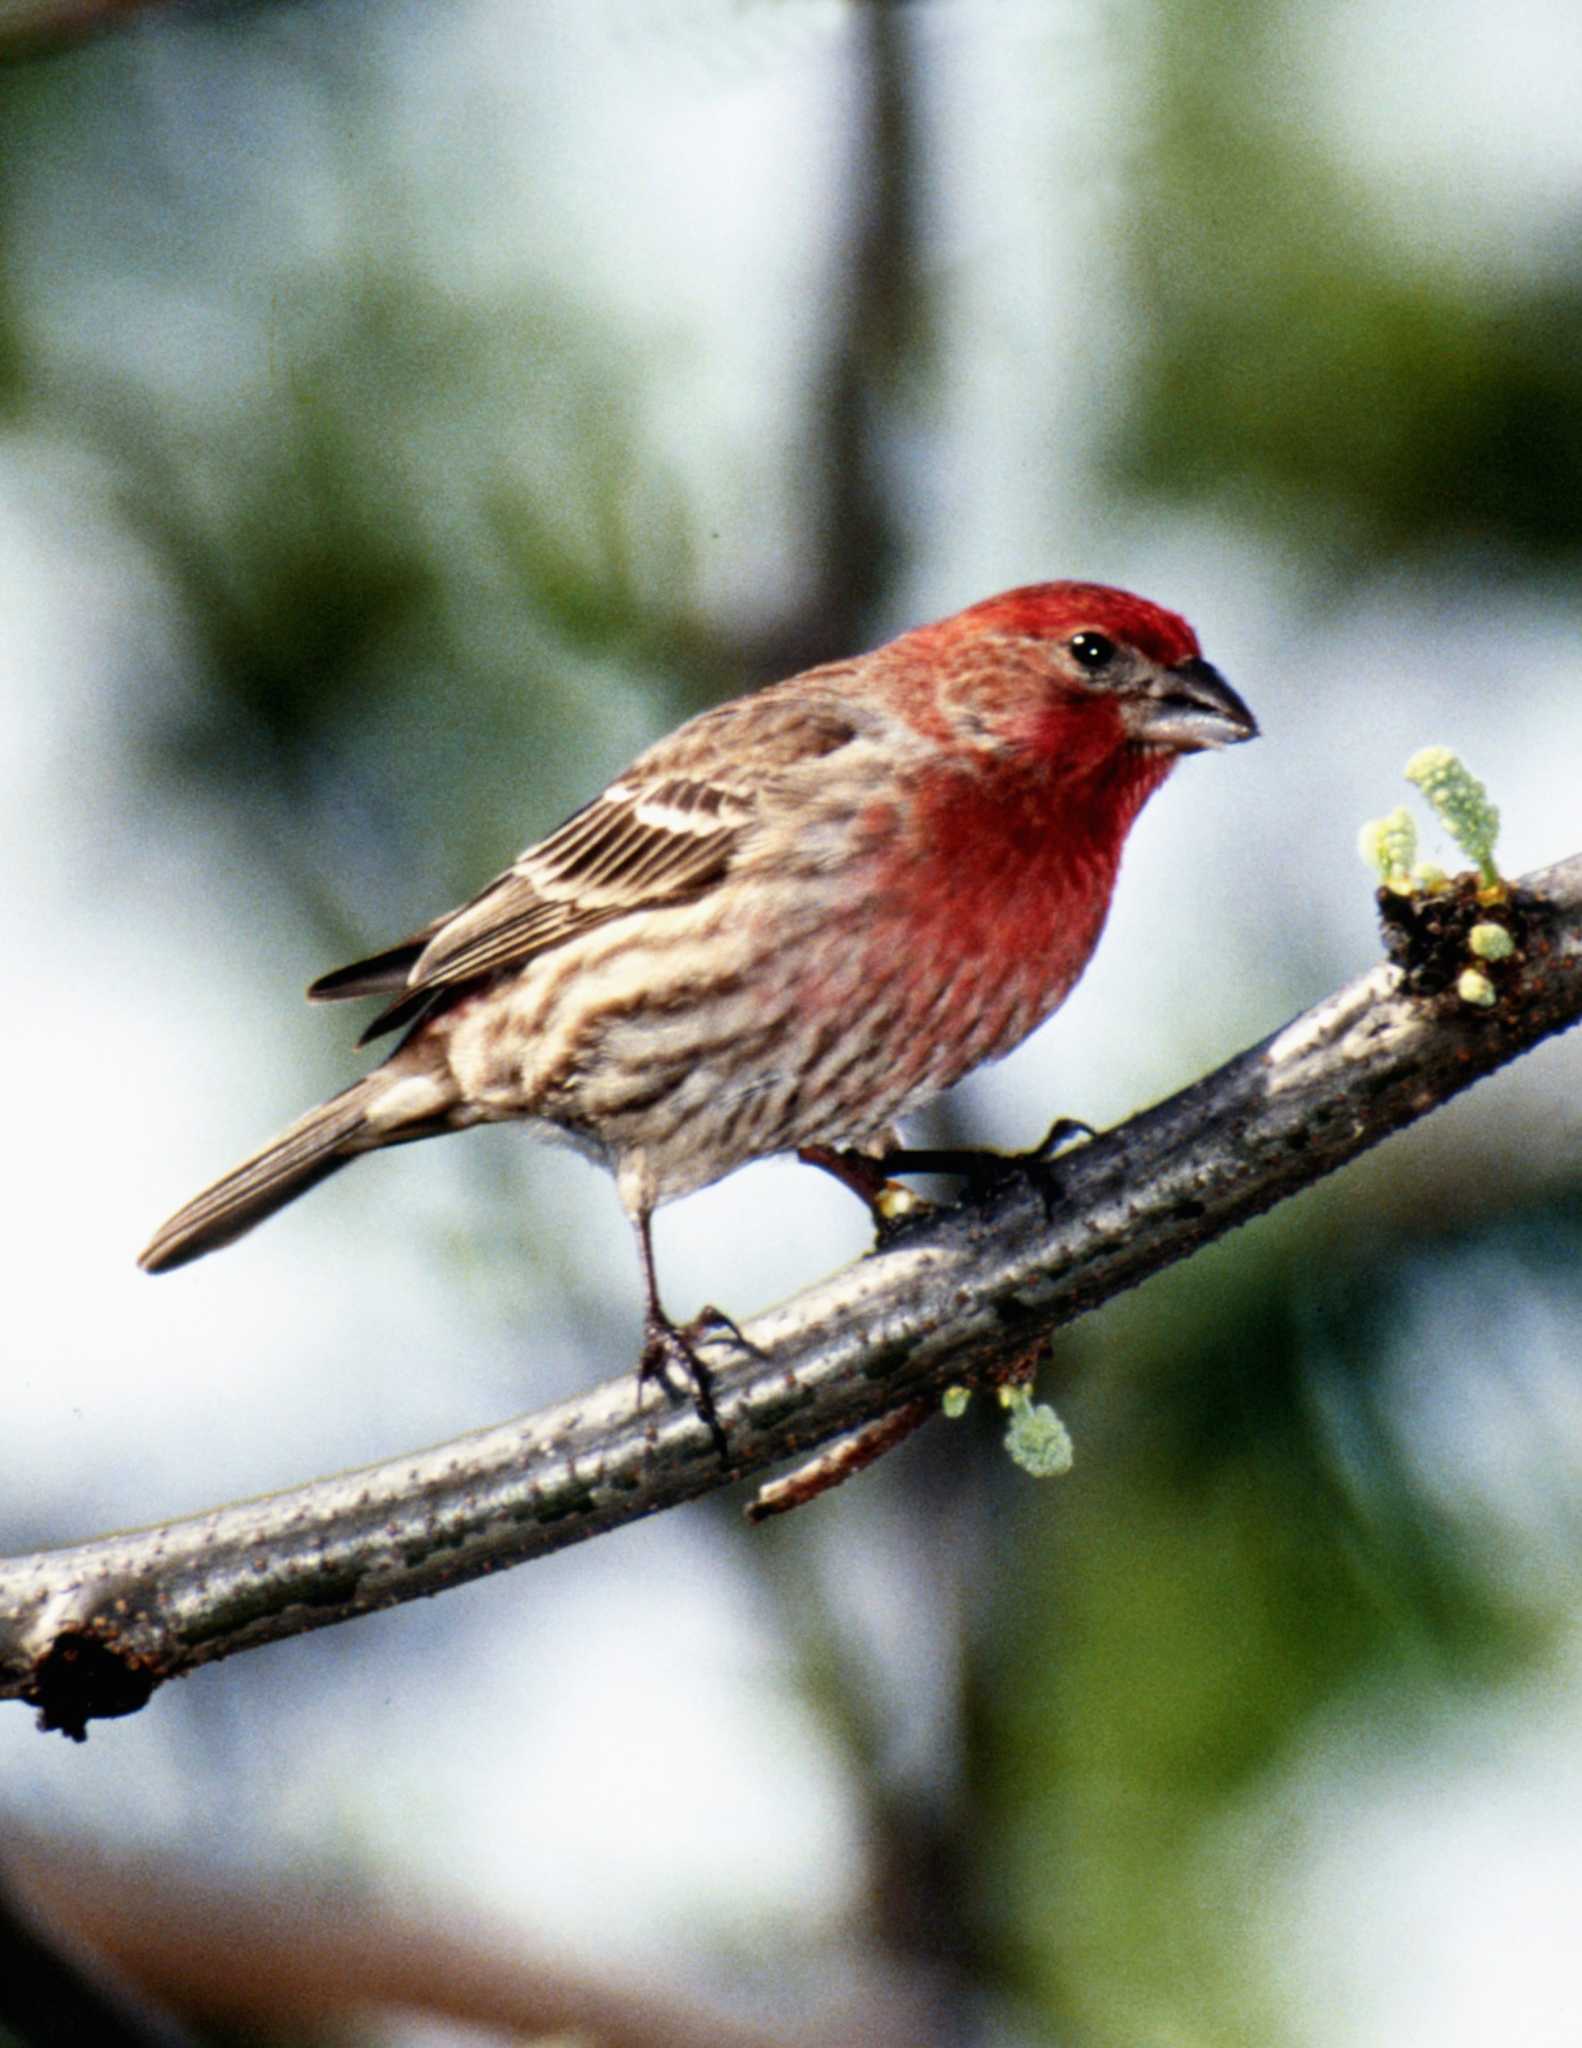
(667, 1346)
(859, 1171)
(987, 1169)
(867, 1175)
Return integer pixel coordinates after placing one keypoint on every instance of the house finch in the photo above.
(798, 917)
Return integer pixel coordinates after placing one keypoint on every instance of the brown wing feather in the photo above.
(668, 829)
(380, 974)
(629, 847)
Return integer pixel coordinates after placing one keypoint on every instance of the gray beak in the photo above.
(1190, 707)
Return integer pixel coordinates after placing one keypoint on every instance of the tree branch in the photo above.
(294, 1960)
(94, 1629)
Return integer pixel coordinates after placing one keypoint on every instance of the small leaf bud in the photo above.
(1389, 845)
(1490, 942)
(1462, 805)
(1037, 1439)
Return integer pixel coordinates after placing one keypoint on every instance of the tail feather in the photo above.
(314, 1147)
(380, 974)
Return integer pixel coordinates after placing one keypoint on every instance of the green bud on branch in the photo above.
(1390, 845)
(1036, 1439)
(1462, 805)
(1490, 942)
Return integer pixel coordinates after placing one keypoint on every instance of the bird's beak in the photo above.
(1191, 706)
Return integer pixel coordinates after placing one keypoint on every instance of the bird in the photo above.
(788, 924)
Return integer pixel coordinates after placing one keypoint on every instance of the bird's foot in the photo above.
(986, 1169)
(670, 1348)
(891, 1206)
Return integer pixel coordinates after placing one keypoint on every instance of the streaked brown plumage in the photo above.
(797, 917)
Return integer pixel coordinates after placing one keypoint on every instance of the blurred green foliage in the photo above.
(1304, 361)
(1249, 1547)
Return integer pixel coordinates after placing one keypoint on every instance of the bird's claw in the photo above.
(892, 1207)
(896, 1211)
(1062, 1134)
(714, 1320)
(672, 1348)
(1040, 1167)
(985, 1169)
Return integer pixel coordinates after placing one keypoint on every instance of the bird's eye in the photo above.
(1091, 651)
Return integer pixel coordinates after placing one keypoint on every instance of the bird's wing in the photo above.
(666, 830)
(637, 844)
(380, 974)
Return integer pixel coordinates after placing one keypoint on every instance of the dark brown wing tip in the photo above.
(404, 1011)
(379, 975)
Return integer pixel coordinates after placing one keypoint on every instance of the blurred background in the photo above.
(408, 412)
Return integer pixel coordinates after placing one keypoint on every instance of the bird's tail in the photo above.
(314, 1147)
